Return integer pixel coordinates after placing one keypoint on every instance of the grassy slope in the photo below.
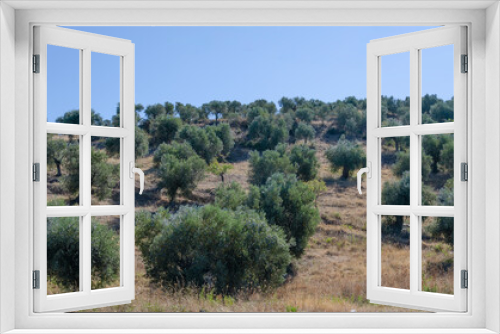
(331, 275)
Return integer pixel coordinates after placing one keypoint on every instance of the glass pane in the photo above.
(63, 255)
(63, 170)
(395, 252)
(437, 169)
(437, 84)
(437, 254)
(105, 171)
(105, 90)
(63, 85)
(105, 252)
(395, 89)
(395, 178)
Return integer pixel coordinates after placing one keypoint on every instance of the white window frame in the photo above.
(414, 43)
(86, 44)
(483, 102)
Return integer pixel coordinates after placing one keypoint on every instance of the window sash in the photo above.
(414, 298)
(87, 43)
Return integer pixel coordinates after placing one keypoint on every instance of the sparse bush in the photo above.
(230, 196)
(346, 155)
(305, 132)
(289, 203)
(219, 169)
(63, 239)
(204, 141)
(305, 161)
(262, 166)
(228, 251)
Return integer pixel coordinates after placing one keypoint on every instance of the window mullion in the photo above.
(85, 170)
(414, 170)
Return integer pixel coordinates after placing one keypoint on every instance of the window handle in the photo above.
(134, 170)
(368, 171)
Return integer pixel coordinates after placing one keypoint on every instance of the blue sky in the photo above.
(199, 64)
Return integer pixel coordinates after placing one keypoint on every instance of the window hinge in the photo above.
(36, 172)
(36, 63)
(36, 279)
(465, 279)
(465, 64)
(464, 171)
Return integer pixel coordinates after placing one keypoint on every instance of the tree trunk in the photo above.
(58, 164)
(345, 173)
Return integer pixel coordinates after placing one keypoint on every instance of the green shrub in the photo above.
(71, 164)
(204, 141)
(223, 131)
(228, 251)
(305, 114)
(262, 166)
(305, 132)
(147, 226)
(56, 149)
(164, 128)
(141, 143)
(398, 193)
(179, 168)
(305, 161)
(103, 175)
(266, 132)
(180, 151)
(403, 165)
(443, 227)
(346, 155)
(63, 240)
(230, 197)
(289, 203)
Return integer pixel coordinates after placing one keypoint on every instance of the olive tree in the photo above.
(228, 251)
(56, 149)
(265, 132)
(290, 204)
(230, 196)
(179, 169)
(305, 132)
(346, 155)
(164, 128)
(262, 166)
(204, 141)
(223, 132)
(305, 161)
(397, 192)
(63, 239)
